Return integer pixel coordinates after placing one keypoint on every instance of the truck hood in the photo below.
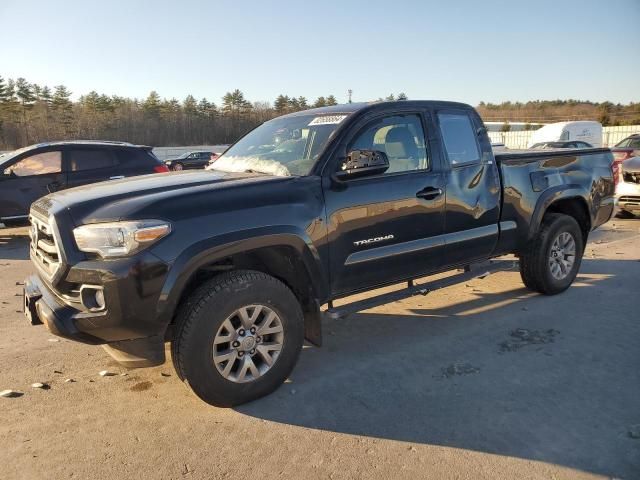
(129, 197)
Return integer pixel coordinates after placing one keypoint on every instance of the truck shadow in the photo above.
(442, 376)
(14, 244)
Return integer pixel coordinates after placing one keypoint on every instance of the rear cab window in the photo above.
(459, 138)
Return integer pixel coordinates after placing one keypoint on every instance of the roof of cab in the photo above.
(362, 106)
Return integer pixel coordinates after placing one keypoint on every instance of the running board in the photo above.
(480, 270)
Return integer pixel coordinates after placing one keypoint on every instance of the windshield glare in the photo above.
(283, 146)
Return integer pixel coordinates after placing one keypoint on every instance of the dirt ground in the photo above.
(483, 380)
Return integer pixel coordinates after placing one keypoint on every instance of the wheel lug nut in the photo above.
(240, 353)
(253, 351)
(258, 339)
(241, 332)
(253, 330)
(236, 344)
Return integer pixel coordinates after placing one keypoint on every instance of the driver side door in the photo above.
(386, 227)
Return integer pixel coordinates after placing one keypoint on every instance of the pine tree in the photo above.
(320, 102)
(331, 100)
(302, 103)
(151, 105)
(235, 104)
(190, 105)
(61, 103)
(281, 104)
(402, 96)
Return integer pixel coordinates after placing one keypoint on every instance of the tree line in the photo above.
(31, 113)
(548, 111)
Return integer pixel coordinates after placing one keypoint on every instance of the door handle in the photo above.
(429, 193)
(116, 177)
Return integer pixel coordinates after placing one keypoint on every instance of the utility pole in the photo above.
(350, 92)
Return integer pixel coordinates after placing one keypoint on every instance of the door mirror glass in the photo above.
(362, 163)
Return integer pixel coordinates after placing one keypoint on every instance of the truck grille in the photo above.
(629, 199)
(44, 248)
(631, 177)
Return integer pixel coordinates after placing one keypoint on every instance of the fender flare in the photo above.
(549, 197)
(216, 248)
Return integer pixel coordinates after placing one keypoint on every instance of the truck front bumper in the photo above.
(42, 306)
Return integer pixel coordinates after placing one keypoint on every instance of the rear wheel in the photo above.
(552, 258)
(178, 167)
(238, 337)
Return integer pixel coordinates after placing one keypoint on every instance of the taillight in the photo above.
(161, 169)
(615, 167)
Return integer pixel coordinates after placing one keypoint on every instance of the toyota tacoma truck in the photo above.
(236, 265)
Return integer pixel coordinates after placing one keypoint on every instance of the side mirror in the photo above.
(363, 163)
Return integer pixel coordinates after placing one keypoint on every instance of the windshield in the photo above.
(184, 155)
(284, 146)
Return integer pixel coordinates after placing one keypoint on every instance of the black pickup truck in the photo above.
(234, 265)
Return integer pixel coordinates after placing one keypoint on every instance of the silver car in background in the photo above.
(628, 189)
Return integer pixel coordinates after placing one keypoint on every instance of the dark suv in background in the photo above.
(189, 160)
(35, 171)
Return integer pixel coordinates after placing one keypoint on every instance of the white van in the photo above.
(585, 131)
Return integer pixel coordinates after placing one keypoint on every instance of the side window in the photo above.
(634, 143)
(90, 159)
(39, 164)
(459, 138)
(401, 137)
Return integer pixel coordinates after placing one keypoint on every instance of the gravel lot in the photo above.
(483, 380)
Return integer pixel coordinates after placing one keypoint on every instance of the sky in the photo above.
(460, 50)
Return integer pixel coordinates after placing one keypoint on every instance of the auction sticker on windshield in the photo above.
(328, 120)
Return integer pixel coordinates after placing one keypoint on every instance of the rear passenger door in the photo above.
(90, 165)
(472, 209)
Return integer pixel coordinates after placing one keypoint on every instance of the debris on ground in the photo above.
(69, 380)
(106, 373)
(164, 374)
(521, 337)
(53, 339)
(42, 386)
(459, 369)
(634, 431)
(124, 374)
(10, 393)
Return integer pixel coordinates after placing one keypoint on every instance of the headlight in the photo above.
(119, 239)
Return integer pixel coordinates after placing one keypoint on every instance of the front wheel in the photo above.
(238, 337)
(551, 260)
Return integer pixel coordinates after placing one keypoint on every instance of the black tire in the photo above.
(534, 261)
(177, 167)
(200, 318)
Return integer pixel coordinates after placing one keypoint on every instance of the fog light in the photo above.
(92, 297)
